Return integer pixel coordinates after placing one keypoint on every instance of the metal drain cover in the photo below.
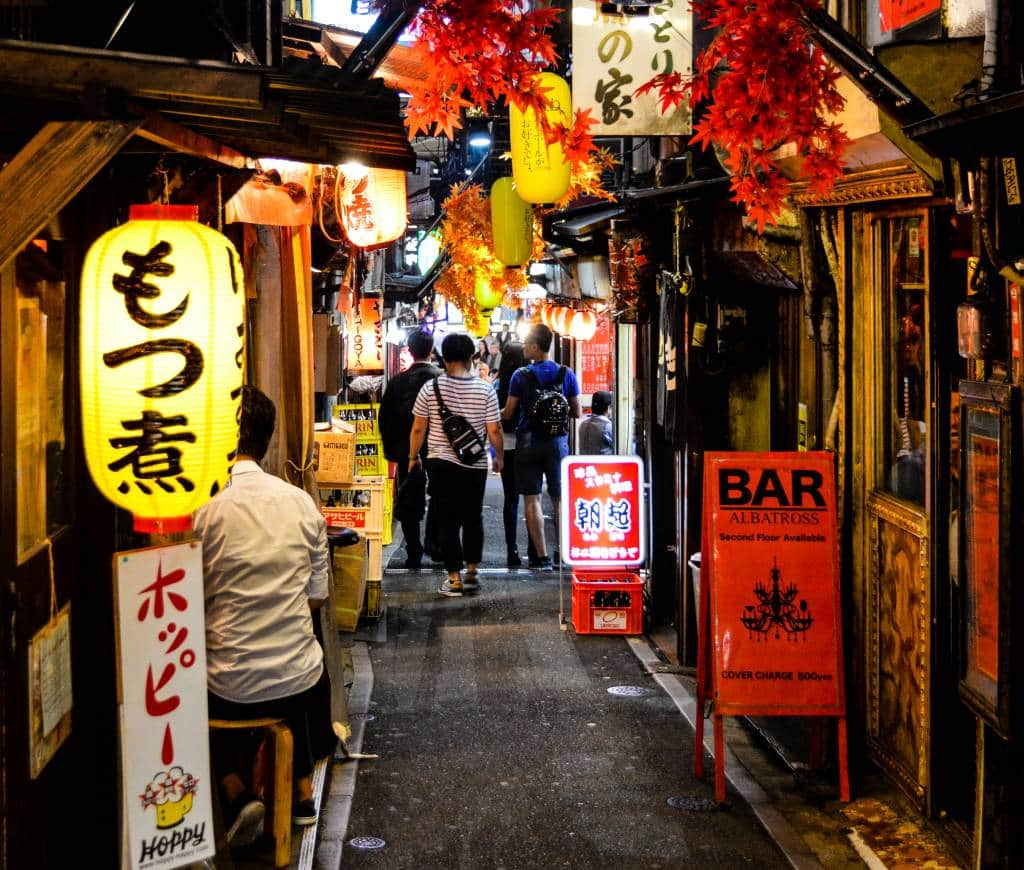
(367, 844)
(628, 691)
(693, 804)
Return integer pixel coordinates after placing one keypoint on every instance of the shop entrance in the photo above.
(901, 374)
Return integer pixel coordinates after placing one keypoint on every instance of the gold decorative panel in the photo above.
(899, 642)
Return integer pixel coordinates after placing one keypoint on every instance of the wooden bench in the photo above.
(279, 802)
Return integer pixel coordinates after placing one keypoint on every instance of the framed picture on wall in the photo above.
(987, 431)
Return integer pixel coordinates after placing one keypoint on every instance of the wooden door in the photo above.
(892, 453)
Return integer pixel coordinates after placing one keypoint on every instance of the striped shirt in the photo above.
(469, 396)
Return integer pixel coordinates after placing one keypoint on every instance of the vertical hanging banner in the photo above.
(775, 615)
(603, 521)
(365, 338)
(597, 357)
(614, 54)
(164, 726)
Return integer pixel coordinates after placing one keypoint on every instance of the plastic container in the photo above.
(350, 567)
(607, 602)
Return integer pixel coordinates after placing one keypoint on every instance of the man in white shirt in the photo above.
(265, 564)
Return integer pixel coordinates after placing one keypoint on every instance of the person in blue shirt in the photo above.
(596, 430)
(539, 456)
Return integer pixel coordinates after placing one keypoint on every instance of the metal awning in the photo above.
(968, 131)
(301, 111)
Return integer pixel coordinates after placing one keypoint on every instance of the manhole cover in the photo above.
(628, 691)
(367, 843)
(693, 804)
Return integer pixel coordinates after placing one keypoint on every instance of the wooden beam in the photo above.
(47, 173)
(163, 131)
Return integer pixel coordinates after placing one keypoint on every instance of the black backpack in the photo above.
(466, 442)
(549, 415)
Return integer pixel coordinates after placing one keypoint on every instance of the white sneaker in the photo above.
(450, 590)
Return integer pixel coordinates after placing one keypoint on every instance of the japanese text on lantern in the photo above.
(163, 678)
(614, 54)
(603, 520)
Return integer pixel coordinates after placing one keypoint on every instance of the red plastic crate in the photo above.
(592, 616)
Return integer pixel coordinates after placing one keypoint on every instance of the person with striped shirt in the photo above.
(457, 490)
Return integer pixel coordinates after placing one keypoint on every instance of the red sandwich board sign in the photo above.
(770, 635)
(603, 513)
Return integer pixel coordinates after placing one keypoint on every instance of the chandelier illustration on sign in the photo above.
(776, 610)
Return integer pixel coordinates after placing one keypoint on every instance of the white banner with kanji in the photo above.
(164, 726)
(615, 54)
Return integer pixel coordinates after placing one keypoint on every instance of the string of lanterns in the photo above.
(577, 323)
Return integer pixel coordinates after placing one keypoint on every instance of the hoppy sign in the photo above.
(164, 732)
(603, 520)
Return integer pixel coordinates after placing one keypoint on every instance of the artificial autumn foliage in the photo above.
(482, 52)
(469, 242)
(769, 86)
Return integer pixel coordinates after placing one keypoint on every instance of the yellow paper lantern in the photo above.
(511, 224)
(478, 324)
(365, 338)
(583, 325)
(160, 356)
(373, 205)
(487, 293)
(539, 170)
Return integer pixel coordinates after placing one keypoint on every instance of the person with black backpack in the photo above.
(542, 398)
(395, 420)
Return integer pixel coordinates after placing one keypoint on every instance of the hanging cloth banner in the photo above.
(615, 54)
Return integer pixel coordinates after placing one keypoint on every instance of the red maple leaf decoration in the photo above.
(768, 86)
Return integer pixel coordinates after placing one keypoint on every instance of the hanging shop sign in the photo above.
(894, 14)
(49, 688)
(161, 357)
(539, 169)
(603, 515)
(614, 54)
(772, 624)
(597, 359)
(365, 338)
(374, 210)
(165, 737)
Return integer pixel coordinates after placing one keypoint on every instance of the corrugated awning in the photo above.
(302, 111)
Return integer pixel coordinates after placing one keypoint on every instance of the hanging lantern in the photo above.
(373, 205)
(161, 352)
(544, 314)
(511, 224)
(478, 324)
(365, 338)
(488, 294)
(583, 325)
(560, 319)
(540, 171)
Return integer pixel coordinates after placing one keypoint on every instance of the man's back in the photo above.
(395, 418)
(596, 436)
(264, 557)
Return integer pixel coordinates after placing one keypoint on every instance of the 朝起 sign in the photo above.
(771, 562)
(164, 727)
(603, 519)
(614, 54)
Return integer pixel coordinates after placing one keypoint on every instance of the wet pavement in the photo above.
(501, 745)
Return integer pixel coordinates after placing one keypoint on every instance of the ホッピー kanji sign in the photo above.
(164, 727)
(603, 520)
(770, 606)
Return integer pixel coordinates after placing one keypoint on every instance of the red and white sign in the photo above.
(596, 359)
(894, 14)
(603, 518)
(164, 726)
(772, 564)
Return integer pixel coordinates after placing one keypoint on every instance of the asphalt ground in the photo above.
(501, 746)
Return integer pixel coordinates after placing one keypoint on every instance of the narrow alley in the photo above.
(501, 745)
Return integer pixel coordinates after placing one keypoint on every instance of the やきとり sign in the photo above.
(166, 781)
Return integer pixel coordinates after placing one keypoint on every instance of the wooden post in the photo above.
(45, 175)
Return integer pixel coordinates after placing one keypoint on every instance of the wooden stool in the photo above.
(280, 803)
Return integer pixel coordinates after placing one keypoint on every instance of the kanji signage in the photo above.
(603, 521)
(614, 54)
(597, 357)
(770, 604)
(161, 359)
(164, 727)
(365, 338)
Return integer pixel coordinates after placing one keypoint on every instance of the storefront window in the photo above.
(39, 397)
(906, 357)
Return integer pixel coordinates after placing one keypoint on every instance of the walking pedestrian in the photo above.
(457, 413)
(542, 398)
(596, 431)
(395, 420)
(512, 360)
